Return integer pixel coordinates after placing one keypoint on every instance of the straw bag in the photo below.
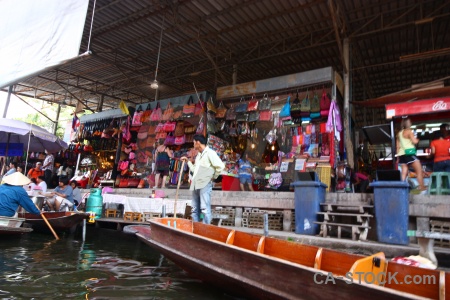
(168, 113)
(221, 111)
(189, 108)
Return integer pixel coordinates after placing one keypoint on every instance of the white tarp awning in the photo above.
(36, 35)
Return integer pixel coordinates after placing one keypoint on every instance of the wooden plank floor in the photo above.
(115, 223)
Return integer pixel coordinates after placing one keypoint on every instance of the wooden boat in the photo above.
(11, 226)
(60, 221)
(8, 230)
(261, 267)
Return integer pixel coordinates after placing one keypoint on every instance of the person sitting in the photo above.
(36, 171)
(41, 183)
(12, 168)
(12, 194)
(62, 196)
(76, 194)
(440, 149)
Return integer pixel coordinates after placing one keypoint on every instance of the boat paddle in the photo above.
(178, 189)
(48, 224)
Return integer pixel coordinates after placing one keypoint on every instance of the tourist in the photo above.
(62, 197)
(13, 195)
(207, 167)
(163, 154)
(36, 171)
(440, 148)
(245, 173)
(19, 169)
(47, 167)
(12, 169)
(41, 184)
(406, 151)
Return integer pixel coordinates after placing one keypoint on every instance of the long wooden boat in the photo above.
(9, 230)
(261, 267)
(60, 221)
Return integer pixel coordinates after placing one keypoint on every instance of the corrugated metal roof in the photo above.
(204, 39)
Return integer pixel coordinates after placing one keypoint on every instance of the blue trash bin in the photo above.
(391, 199)
(308, 195)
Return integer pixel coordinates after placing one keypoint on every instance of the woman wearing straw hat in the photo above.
(12, 194)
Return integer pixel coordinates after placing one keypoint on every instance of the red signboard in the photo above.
(417, 107)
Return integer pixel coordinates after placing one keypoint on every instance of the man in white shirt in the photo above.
(41, 183)
(47, 167)
(207, 167)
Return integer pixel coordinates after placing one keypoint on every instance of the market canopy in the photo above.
(33, 138)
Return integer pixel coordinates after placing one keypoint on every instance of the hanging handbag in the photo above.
(305, 105)
(189, 108)
(242, 117)
(265, 115)
(159, 127)
(188, 129)
(177, 113)
(253, 116)
(156, 113)
(286, 109)
(265, 103)
(170, 140)
(180, 140)
(315, 104)
(325, 103)
(231, 114)
(211, 126)
(211, 106)
(169, 126)
(151, 129)
(161, 135)
(199, 107)
(150, 141)
(253, 104)
(296, 108)
(146, 114)
(221, 111)
(137, 117)
(143, 132)
(168, 113)
(241, 107)
(126, 134)
(179, 129)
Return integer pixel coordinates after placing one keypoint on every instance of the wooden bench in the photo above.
(357, 229)
(425, 240)
(357, 207)
(361, 218)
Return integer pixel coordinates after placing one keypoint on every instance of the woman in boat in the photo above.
(12, 194)
(61, 196)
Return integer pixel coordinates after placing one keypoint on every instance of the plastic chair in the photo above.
(439, 183)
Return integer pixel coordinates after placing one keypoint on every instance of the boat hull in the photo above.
(60, 221)
(8, 230)
(254, 275)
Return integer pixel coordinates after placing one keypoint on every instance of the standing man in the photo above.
(48, 167)
(207, 167)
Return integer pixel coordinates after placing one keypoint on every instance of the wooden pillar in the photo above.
(347, 129)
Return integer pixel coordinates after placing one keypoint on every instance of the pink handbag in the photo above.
(252, 104)
(180, 140)
(169, 126)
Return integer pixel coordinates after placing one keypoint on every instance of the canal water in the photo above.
(108, 265)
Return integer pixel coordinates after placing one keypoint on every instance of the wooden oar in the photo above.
(178, 189)
(48, 224)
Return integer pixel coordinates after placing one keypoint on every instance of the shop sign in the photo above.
(417, 107)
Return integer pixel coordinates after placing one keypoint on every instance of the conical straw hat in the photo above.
(16, 178)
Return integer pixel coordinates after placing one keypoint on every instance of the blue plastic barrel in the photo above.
(95, 203)
(391, 201)
(308, 195)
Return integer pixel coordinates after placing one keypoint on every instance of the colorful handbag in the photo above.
(143, 132)
(169, 126)
(200, 127)
(177, 113)
(265, 115)
(180, 140)
(123, 183)
(189, 129)
(159, 127)
(221, 111)
(137, 117)
(170, 140)
(253, 116)
(189, 108)
(231, 114)
(211, 106)
(305, 105)
(168, 113)
(296, 108)
(265, 103)
(315, 104)
(161, 135)
(150, 141)
(146, 114)
(286, 109)
(156, 113)
(241, 107)
(253, 104)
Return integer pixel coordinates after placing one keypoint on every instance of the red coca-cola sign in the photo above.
(417, 107)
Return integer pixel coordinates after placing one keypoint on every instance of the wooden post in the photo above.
(346, 115)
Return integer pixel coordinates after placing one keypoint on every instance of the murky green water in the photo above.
(108, 265)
